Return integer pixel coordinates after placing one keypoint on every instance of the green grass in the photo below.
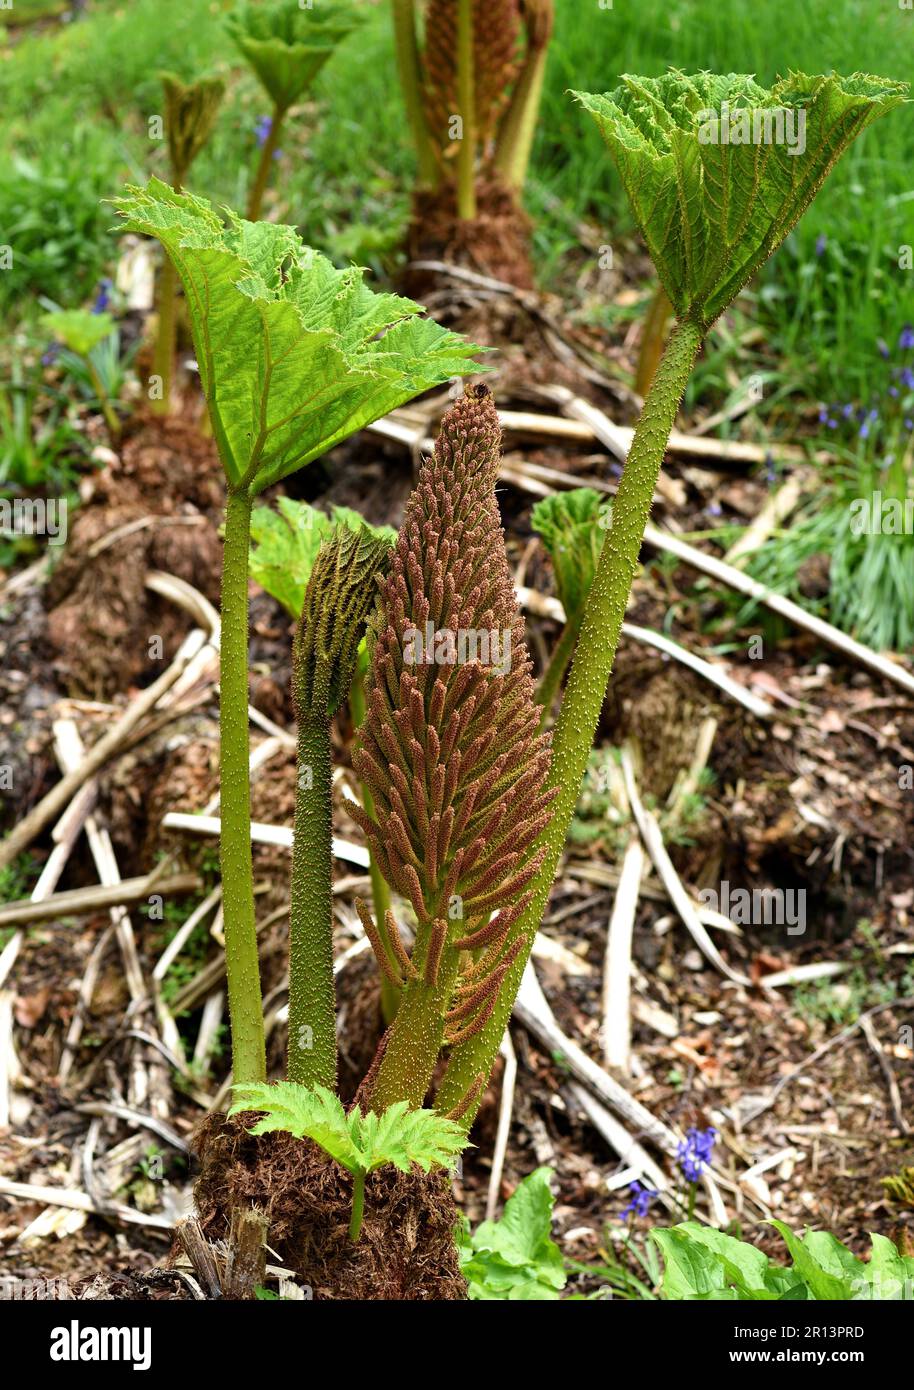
(75, 101)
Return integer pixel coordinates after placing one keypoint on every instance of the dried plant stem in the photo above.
(242, 965)
(562, 653)
(586, 688)
(312, 1010)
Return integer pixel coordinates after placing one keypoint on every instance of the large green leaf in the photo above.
(359, 1143)
(734, 1265)
(713, 210)
(288, 347)
(515, 1258)
(287, 44)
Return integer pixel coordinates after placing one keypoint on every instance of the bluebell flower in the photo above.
(821, 244)
(262, 128)
(694, 1152)
(715, 509)
(641, 1200)
(847, 411)
(50, 355)
(906, 340)
(907, 378)
(103, 297)
(883, 347)
(770, 473)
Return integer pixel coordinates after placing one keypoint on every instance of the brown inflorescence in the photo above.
(450, 747)
(496, 38)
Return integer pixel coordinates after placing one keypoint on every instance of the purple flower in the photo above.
(715, 509)
(906, 340)
(883, 347)
(641, 1200)
(694, 1152)
(262, 130)
(50, 356)
(907, 378)
(821, 244)
(103, 297)
(770, 474)
(909, 424)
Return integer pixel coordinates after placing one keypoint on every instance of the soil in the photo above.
(811, 800)
(405, 1250)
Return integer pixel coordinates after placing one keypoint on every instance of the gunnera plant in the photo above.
(472, 92)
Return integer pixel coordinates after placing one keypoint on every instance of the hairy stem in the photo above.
(558, 664)
(259, 187)
(410, 70)
(312, 996)
(241, 962)
(586, 688)
(466, 100)
(416, 1037)
(164, 355)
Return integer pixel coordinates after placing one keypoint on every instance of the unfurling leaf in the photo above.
(190, 114)
(718, 169)
(340, 594)
(288, 347)
(287, 44)
(286, 542)
(572, 527)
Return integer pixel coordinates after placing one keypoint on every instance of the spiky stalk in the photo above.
(451, 752)
(338, 598)
(410, 68)
(242, 967)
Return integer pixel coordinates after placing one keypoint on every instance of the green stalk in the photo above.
(164, 356)
(270, 145)
(515, 138)
(380, 893)
(241, 962)
(358, 1204)
(466, 100)
(586, 688)
(312, 1010)
(410, 69)
(416, 1038)
(562, 653)
(110, 414)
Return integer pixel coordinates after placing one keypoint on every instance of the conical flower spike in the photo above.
(450, 748)
(718, 169)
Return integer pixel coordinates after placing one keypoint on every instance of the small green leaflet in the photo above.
(287, 44)
(713, 210)
(288, 347)
(286, 542)
(359, 1143)
(78, 329)
(515, 1258)
(573, 528)
(702, 1264)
